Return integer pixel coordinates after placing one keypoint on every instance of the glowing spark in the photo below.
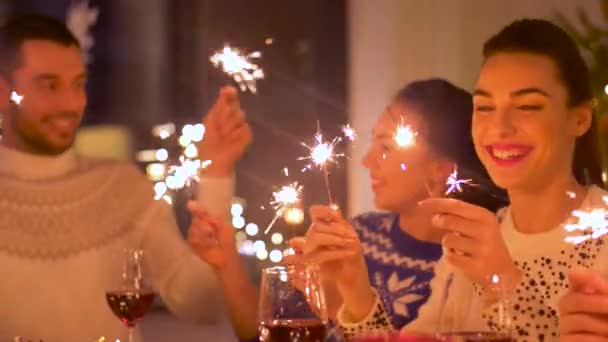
(405, 136)
(16, 97)
(403, 167)
(321, 153)
(284, 199)
(593, 223)
(183, 174)
(286, 172)
(349, 132)
(239, 66)
(454, 183)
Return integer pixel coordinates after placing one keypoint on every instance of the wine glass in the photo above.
(133, 298)
(292, 305)
(471, 326)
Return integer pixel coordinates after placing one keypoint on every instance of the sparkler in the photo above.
(181, 175)
(16, 98)
(593, 223)
(349, 132)
(284, 199)
(239, 66)
(322, 153)
(405, 136)
(454, 183)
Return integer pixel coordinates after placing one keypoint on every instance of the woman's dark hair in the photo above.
(544, 38)
(447, 112)
(20, 28)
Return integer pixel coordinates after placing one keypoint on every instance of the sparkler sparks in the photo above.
(284, 199)
(349, 132)
(239, 66)
(321, 153)
(16, 98)
(593, 223)
(405, 136)
(454, 183)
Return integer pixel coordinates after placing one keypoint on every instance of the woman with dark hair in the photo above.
(399, 247)
(534, 131)
(393, 253)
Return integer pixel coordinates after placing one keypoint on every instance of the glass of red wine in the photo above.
(292, 305)
(132, 298)
(495, 325)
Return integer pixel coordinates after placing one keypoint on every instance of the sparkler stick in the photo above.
(320, 155)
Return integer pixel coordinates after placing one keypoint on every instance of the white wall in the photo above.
(393, 42)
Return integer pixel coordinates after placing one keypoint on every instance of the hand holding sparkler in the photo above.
(210, 238)
(227, 134)
(332, 244)
(239, 66)
(473, 241)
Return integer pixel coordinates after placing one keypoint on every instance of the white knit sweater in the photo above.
(63, 223)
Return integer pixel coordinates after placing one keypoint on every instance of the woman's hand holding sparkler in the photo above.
(332, 243)
(227, 134)
(211, 239)
(473, 241)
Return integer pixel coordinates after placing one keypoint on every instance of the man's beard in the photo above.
(34, 140)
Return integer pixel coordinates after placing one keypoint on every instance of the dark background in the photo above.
(150, 66)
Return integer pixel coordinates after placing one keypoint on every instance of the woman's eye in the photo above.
(484, 108)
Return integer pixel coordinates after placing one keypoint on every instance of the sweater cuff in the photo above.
(377, 319)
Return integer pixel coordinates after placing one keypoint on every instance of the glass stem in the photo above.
(131, 334)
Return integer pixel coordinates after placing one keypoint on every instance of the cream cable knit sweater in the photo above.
(63, 223)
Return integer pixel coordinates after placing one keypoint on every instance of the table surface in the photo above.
(161, 326)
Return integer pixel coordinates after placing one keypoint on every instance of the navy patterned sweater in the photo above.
(400, 267)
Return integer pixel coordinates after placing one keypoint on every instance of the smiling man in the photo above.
(67, 219)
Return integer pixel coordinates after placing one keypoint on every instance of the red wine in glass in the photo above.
(292, 305)
(303, 330)
(131, 299)
(130, 306)
(471, 336)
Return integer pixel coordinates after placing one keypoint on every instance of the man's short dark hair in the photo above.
(23, 27)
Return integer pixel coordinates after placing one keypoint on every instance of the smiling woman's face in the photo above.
(523, 129)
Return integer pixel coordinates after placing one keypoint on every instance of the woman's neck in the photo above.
(417, 223)
(542, 209)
